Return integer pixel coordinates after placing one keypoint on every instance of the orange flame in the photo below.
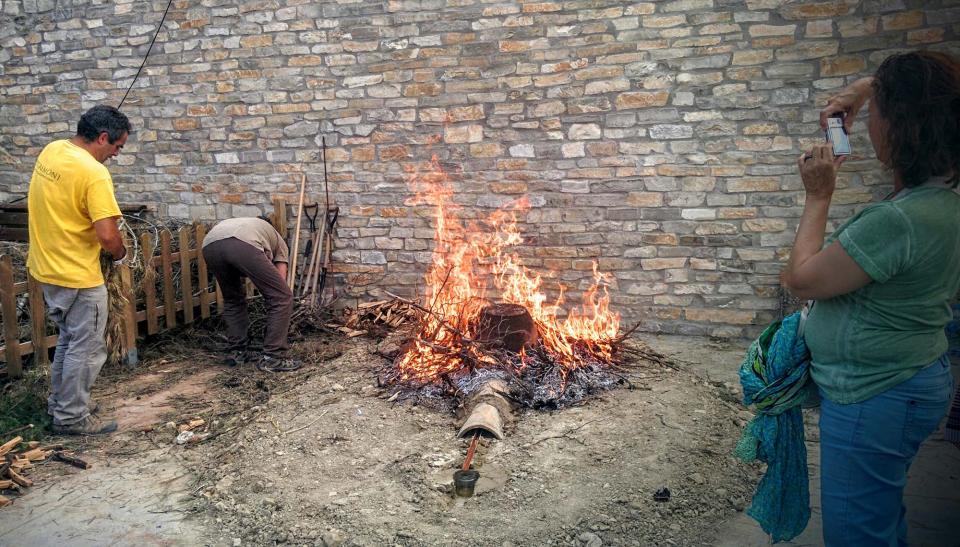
(456, 291)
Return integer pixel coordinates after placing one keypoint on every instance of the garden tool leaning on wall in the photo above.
(320, 260)
(333, 214)
(311, 243)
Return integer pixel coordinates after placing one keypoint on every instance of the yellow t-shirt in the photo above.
(69, 191)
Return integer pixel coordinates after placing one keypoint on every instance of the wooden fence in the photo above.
(147, 313)
(159, 312)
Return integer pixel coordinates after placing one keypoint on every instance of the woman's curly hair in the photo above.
(918, 95)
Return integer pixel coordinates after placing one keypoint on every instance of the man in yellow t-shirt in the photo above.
(73, 215)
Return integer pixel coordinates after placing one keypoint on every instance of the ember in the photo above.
(464, 338)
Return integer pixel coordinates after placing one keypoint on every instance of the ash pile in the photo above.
(443, 361)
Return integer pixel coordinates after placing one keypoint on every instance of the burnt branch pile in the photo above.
(502, 345)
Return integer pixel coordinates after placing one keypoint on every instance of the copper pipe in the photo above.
(471, 451)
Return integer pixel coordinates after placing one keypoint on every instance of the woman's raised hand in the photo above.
(848, 102)
(818, 169)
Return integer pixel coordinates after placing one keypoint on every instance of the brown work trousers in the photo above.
(232, 260)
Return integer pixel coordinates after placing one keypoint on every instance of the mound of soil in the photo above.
(334, 462)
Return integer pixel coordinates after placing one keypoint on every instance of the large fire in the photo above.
(465, 256)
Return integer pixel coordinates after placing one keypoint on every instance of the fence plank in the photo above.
(186, 284)
(149, 283)
(129, 340)
(280, 216)
(203, 277)
(169, 302)
(11, 331)
(128, 317)
(38, 322)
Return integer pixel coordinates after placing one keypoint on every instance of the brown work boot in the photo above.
(268, 363)
(91, 425)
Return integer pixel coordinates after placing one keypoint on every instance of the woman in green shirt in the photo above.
(882, 284)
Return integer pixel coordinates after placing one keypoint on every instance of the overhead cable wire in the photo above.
(145, 57)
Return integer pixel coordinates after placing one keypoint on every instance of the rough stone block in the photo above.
(583, 131)
(606, 86)
(641, 99)
(463, 133)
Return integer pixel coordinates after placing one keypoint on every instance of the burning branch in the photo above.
(489, 316)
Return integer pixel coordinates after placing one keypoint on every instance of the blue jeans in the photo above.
(866, 449)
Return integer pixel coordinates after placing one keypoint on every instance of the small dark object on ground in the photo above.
(662, 494)
(464, 482)
(72, 460)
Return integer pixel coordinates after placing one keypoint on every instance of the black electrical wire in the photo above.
(159, 27)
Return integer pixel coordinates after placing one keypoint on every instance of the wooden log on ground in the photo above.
(18, 478)
(20, 463)
(6, 484)
(9, 445)
(35, 455)
(5, 501)
(72, 460)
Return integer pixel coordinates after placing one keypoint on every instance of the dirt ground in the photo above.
(324, 457)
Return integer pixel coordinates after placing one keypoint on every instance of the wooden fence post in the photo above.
(203, 276)
(38, 321)
(11, 331)
(149, 283)
(186, 284)
(129, 339)
(280, 216)
(169, 300)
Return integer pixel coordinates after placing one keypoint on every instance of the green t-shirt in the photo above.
(865, 342)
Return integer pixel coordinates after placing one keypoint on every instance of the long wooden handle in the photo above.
(291, 272)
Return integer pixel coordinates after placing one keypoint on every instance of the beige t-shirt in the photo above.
(253, 231)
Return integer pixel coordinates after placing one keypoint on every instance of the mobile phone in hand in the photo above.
(837, 136)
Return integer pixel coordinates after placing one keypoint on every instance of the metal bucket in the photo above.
(464, 481)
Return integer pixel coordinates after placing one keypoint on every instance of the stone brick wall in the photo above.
(657, 138)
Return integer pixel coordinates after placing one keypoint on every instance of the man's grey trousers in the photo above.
(81, 316)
